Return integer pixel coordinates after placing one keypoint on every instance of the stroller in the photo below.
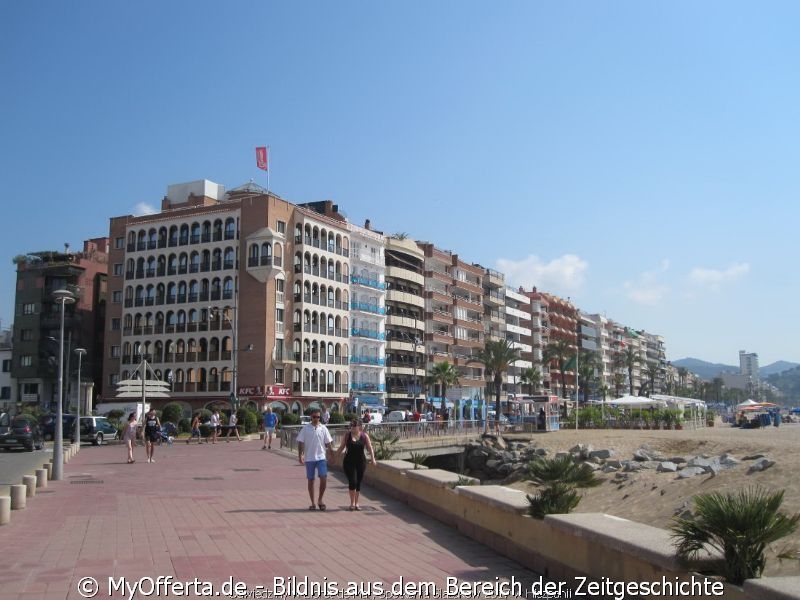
(167, 434)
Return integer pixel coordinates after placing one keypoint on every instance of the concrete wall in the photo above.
(563, 548)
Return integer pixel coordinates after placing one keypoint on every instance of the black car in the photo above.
(21, 431)
(48, 426)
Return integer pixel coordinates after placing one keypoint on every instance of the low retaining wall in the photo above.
(573, 548)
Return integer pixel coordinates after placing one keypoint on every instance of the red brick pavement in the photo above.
(216, 512)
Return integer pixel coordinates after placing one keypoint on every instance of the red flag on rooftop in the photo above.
(262, 158)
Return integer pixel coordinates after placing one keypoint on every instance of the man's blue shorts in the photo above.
(316, 465)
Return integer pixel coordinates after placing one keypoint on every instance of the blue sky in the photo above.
(638, 157)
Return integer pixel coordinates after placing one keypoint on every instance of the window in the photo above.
(279, 315)
(118, 269)
(113, 379)
(26, 335)
(115, 324)
(29, 309)
(7, 365)
(116, 297)
(278, 375)
(5, 393)
(114, 351)
(26, 360)
(281, 226)
(119, 243)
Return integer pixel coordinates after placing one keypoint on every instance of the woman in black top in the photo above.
(152, 433)
(353, 444)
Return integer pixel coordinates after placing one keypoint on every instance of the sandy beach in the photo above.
(653, 498)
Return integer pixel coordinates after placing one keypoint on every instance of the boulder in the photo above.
(604, 453)
(761, 464)
(687, 472)
(667, 467)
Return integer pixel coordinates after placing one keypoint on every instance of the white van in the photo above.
(375, 416)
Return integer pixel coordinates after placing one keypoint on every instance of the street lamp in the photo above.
(170, 378)
(62, 297)
(80, 352)
(221, 313)
(415, 341)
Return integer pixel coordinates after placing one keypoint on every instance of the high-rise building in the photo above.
(37, 325)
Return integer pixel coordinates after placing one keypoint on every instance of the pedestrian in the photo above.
(152, 433)
(326, 416)
(355, 462)
(195, 427)
(232, 427)
(270, 422)
(129, 435)
(314, 442)
(215, 426)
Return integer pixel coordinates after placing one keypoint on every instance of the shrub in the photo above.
(382, 442)
(185, 425)
(336, 418)
(288, 418)
(172, 412)
(418, 458)
(739, 525)
(247, 420)
(559, 477)
(463, 481)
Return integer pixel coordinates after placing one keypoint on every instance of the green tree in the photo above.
(172, 412)
(531, 377)
(444, 375)
(559, 352)
(629, 358)
(497, 356)
(588, 364)
(651, 371)
(739, 525)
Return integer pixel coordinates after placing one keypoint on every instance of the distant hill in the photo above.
(708, 371)
(787, 381)
(705, 370)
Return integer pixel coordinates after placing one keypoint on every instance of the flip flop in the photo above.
(322, 507)
(312, 507)
(357, 508)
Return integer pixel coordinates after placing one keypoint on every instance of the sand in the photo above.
(653, 498)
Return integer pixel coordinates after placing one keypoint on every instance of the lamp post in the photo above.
(80, 352)
(170, 378)
(62, 297)
(415, 342)
(221, 313)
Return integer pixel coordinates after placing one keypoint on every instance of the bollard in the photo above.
(48, 466)
(29, 481)
(41, 478)
(5, 510)
(18, 496)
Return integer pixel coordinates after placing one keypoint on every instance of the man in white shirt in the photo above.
(313, 444)
(215, 426)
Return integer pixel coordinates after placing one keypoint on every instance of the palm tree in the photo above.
(588, 363)
(560, 352)
(717, 384)
(629, 359)
(532, 378)
(682, 373)
(619, 381)
(651, 372)
(445, 375)
(497, 356)
(559, 477)
(739, 525)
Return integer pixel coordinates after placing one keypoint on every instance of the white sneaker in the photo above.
(148, 460)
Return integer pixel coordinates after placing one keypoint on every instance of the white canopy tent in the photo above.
(637, 402)
(696, 408)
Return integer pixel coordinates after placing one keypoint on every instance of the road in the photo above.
(16, 463)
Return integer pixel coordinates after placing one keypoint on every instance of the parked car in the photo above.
(48, 425)
(304, 419)
(396, 416)
(21, 431)
(96, 430)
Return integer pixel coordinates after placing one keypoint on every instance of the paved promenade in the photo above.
(221, 513)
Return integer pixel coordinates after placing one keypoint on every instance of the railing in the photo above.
(406, 430)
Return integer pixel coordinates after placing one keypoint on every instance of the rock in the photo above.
(609, 469)
(761, 464)
(727, 461)
(562, 454)
(605, 453)
(631, 466)
(614, 463)
(621, 477)
(667, 467)
(687, 472)
(753, 456)
(492, 463)
(642, 454)
(542, 452)
(678, 460)
(709, 465)
(650, 464)
(592, 466)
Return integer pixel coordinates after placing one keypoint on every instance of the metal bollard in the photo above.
(18, 492)
(5, 510)
(41, 478)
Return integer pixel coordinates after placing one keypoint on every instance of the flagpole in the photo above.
(268, 170)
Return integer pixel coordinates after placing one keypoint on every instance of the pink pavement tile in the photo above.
(216, 513)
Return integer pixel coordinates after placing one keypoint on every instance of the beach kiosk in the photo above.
(540, 412)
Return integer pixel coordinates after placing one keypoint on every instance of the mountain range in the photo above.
(708, 371)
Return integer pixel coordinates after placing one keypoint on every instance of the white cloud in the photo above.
(648, 288)
(563, 275)
(713, 279)
(143, 208)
